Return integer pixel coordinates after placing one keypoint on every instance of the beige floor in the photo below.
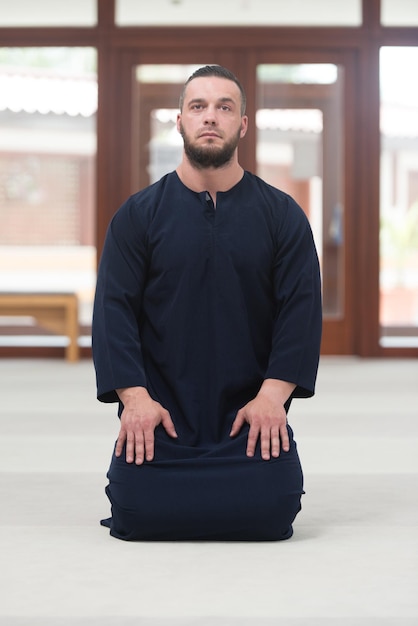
(353, 560)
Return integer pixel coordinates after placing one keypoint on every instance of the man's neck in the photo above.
(210, 179)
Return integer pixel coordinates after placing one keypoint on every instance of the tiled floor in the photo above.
(353, 560)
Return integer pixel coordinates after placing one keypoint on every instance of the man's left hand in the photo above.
(267, 419)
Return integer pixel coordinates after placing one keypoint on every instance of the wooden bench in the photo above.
(57, 312)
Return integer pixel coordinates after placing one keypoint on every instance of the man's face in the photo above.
(211, 123)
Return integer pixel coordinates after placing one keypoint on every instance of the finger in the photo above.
(237, 423)
(265, 443)
(284, 437)
(120, 443)
(139, 448)
(252, 440)
(168, 424)
(148, 444)
(275, 442)
(130, 447)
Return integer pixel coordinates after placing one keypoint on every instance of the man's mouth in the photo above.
(209, 134)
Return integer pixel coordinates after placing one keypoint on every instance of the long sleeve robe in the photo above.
(200, 305)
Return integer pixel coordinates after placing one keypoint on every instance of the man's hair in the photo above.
(220, 72)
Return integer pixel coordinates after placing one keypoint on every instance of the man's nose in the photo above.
(210, 116)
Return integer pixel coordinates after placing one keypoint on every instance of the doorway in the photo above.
(299, 142)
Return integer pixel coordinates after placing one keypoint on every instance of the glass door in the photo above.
(298, 145)
(300, 149)
(398, 198)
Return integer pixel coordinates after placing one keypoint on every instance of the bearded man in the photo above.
(207, 323)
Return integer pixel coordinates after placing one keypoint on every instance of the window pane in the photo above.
(237, 12)
(48, 102)
(48, 13)
(176, 74)
(299, 150)
(399, 13)
(399, 197)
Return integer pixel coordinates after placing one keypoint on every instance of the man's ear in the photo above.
(244, 126)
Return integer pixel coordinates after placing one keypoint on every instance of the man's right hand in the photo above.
(141, 415)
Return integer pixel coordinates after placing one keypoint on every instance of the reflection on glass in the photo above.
(299, 150)
(48, 102)
(399, 197)
(166, 144)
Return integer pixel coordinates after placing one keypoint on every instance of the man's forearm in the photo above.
(279, 390)
(129, 395)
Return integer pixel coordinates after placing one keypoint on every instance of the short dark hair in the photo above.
(220, 72)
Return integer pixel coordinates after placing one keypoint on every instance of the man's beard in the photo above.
(202, 157)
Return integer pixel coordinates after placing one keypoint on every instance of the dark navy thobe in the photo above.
(200, 305)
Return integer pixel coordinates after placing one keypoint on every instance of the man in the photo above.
(207, 323)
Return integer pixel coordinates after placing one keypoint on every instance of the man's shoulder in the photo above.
(146, 201)
(154, 191)
(276, 199)
(266, 188)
